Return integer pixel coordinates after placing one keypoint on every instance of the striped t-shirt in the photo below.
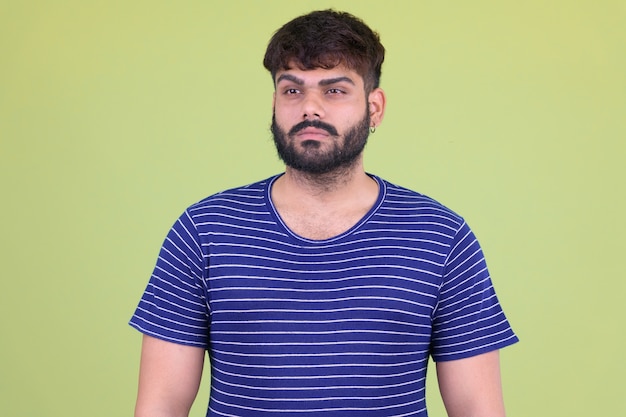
(336, 327)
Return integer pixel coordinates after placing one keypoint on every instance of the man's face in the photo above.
(321, 119)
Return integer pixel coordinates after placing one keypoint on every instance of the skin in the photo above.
(169, 377)
(316, 206)
(472, 387)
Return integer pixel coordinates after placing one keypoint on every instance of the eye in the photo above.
(335, 91)
(291, 91)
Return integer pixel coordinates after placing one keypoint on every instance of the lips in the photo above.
(312, 132)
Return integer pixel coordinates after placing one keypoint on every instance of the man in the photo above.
(322, 291)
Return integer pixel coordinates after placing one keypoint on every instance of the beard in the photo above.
(310, 157)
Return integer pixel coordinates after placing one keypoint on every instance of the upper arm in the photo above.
(169, 378)
(472, 386)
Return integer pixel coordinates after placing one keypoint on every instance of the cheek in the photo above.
(285, 116)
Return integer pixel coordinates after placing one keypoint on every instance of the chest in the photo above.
(316, 295)
(321, 225)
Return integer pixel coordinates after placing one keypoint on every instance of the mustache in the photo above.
(313, 123)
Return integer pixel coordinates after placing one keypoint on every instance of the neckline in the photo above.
(382, 191)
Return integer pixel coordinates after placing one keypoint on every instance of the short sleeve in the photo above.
(174, 306)
(468, 319)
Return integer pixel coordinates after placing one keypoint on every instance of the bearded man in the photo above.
(324, 290)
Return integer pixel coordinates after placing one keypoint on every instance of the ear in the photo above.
(376, 105)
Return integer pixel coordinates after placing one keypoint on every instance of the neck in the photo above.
(338, 181)
(323, 206)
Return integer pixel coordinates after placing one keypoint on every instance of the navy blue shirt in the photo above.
(336, 327)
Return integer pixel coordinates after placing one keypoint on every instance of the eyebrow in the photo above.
(336, 80)
(289, 77)
(325, 82)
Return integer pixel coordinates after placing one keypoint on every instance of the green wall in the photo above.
(115, 115)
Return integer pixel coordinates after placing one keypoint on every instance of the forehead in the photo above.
(317, 75)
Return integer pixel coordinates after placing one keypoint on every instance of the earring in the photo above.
(372, 129)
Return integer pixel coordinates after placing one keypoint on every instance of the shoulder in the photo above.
(406, 203)
(247, 197)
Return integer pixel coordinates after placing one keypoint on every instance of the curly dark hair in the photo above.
(325, 39)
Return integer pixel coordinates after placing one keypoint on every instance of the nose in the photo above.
(312, 107)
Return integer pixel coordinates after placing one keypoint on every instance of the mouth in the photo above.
(312, 133)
